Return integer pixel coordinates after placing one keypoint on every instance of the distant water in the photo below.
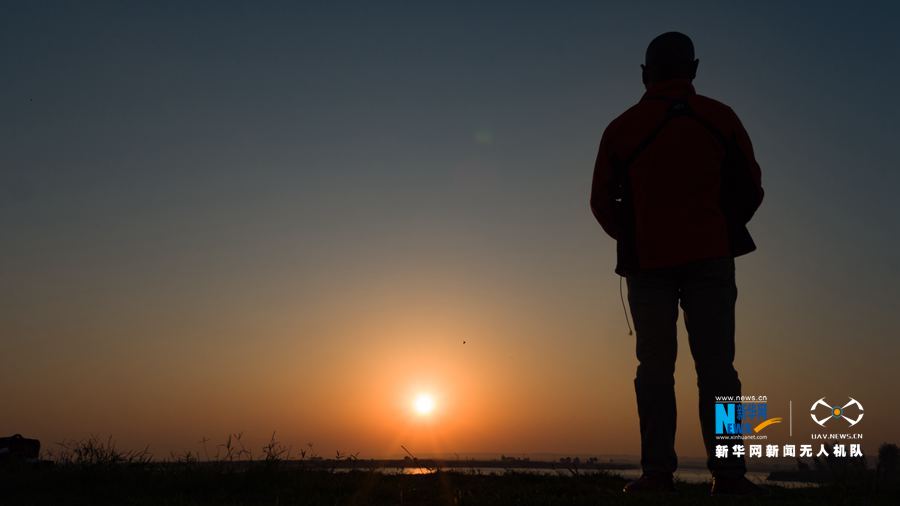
(688, 475)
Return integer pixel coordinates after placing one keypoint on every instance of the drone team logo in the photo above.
(828, 412)
(739, 421)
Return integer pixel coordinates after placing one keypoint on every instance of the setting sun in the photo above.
(423, 404)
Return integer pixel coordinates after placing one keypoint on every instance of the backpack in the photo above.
(738, 198)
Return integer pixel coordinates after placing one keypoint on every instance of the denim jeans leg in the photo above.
(708, 296)
(653, 297)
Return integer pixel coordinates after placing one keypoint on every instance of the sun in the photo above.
(423, 404)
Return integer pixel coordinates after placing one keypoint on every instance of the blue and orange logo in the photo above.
(742, 418)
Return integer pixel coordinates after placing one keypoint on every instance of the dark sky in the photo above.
(184, 184)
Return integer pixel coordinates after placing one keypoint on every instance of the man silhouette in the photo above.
(675, 184)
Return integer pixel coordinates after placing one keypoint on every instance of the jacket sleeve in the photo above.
(602, 187)
(752, 180)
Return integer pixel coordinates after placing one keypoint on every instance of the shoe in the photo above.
(650, 483)
(736, 486)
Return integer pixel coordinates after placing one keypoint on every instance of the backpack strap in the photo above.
(677, 107)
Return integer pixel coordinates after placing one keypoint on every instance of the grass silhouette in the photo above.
(94, 471)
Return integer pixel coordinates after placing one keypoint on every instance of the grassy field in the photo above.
(275, 484)
(93, 472)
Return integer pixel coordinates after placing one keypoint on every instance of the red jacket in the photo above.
(676, 185)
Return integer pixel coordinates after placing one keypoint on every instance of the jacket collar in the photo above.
(672, 88)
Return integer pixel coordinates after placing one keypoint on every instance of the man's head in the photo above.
(669, 56)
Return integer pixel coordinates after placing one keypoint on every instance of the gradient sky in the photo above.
(258, 216)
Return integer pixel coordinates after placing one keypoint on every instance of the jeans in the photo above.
(707, 292)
